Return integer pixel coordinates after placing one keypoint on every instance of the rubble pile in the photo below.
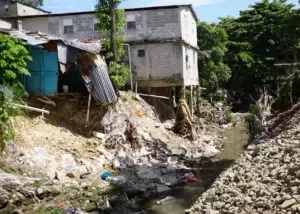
(265, 179)
(131, 143)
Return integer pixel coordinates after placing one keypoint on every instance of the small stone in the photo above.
(39, 191)
(89, 194)
(211, 211)
(296, 207)
(288, 203)
(162, 188)
(218, 204)
(71, 175)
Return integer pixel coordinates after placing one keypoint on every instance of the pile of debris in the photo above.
(265, 179)
(130, 142)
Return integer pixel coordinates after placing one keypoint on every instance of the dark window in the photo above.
(131, 25)
(68, 29)
(141, 53)
(6, 9)
(96, 26)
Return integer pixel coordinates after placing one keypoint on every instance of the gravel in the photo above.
(265, 179)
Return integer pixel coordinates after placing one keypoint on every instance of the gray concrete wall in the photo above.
(12, 9)
(35, 24)
(17, 9)
(83, 26)
(161, 66)
(153, 24)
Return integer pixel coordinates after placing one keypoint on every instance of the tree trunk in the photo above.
(113, 30)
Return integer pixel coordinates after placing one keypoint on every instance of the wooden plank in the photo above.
(31, 108)
(151, 95)
(88, 109)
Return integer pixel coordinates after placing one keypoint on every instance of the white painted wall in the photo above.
(4, 24)
(24, 10)
(188, 26)
(190, 68)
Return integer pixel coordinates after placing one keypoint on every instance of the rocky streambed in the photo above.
(265, 179)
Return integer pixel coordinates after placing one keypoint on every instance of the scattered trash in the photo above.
(84, 175)
(99, 135)
(189, 175)
(166, 199)
(69, 209)
(117, 179)
(139, 113)
(106, 176)
(191, 180)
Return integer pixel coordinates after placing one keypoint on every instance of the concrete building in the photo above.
(4, 24)
(13, 8)
(163, 40)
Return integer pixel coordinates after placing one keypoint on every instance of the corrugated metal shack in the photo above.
(60, 65)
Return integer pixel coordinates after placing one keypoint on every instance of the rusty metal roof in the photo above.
(90, 45)
(39, 38)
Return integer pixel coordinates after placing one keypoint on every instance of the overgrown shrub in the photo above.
(254, 122)
(228, 115)
(289, 93)
(6, 114)
(119, 74)
(13, 64)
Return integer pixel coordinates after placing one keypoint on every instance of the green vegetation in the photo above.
(239, 54)
(112, 21)
(213, 73)
(50, 211)
(13, 64)
(35, 3)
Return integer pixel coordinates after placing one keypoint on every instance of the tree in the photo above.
(111, 21)
(213, 72)
(263, 35)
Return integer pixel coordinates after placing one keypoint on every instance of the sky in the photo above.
(207, 10)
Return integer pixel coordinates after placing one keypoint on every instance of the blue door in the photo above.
(44, 72)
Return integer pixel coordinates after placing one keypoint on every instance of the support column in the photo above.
(191, 101)
(88, 108)
(198, 100)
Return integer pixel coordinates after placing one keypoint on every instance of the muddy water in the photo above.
(185, 196)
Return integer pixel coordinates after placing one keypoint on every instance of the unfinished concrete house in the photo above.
(162, 42)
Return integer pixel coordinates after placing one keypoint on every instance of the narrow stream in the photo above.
(185, 196)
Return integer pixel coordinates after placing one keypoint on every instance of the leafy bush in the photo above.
(289, 93)
(253, 121)
(13, 60)
(6, 112)
(119, 74)
(13, 64)
(228, 115)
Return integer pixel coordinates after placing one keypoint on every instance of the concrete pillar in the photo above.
(191, 101)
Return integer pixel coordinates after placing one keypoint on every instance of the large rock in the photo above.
(160, 188)
(147, 172)
(123, 161)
